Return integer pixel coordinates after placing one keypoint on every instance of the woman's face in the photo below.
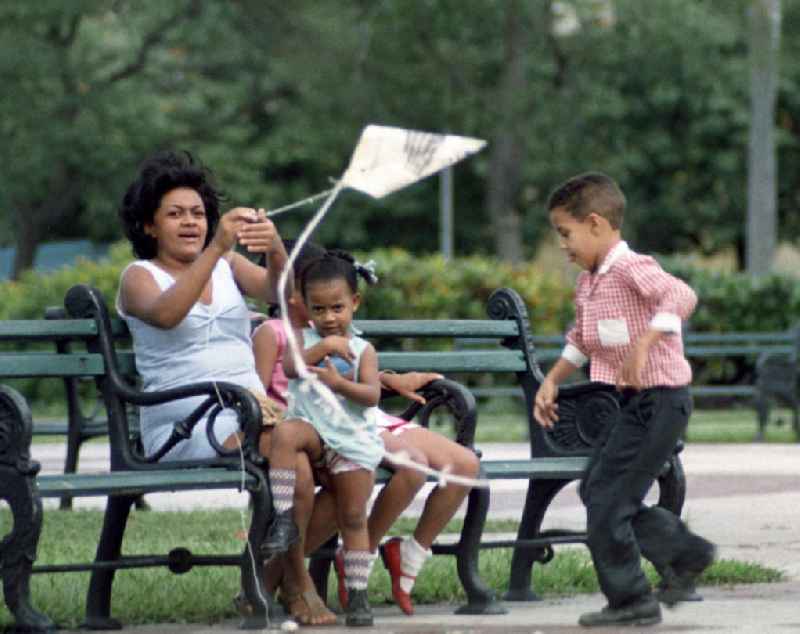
(179, 225)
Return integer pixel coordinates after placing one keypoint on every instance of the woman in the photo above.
(182, 300)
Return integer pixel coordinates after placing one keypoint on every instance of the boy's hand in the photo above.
(340, 347)
(545, 408)
(407, 384)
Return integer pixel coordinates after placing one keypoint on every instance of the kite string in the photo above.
(299, 203)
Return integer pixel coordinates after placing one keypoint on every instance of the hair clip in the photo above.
(368, 270)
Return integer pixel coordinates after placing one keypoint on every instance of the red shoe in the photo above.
(338, 564)
(390, 554)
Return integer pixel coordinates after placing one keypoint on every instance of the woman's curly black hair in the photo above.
(333, 265)
(159, 174)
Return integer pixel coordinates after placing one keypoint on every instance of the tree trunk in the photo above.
(508, 148)
(28, 238)
(765, 18)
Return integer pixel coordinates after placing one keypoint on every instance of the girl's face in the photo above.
(179, 225)
(331, 306)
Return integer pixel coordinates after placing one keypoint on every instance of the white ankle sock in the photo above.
(412, 558)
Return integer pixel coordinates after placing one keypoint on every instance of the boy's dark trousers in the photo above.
(623, 468)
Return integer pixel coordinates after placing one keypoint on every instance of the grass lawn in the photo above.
(204, 595)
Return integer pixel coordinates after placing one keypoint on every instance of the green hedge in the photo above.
(429, 287)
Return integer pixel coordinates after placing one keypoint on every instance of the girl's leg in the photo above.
(404, 558)
(352, 490)
(443, 502)
(398, 493)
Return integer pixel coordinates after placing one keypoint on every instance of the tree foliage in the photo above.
(272, 95)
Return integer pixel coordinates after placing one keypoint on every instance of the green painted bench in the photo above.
(557, 456)
(29, 349)
(95, 353)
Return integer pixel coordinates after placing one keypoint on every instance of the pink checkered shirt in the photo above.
(629, 294)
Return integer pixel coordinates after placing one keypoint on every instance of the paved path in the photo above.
(746, 498)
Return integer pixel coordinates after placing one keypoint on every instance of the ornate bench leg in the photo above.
(98, 598)
(252, 568)
(540, 494)
(480, 598)
(18, 488)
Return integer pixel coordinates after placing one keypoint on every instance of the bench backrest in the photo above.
(513, 351)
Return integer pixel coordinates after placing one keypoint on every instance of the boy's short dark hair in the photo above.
(592, 192)
(159, 174)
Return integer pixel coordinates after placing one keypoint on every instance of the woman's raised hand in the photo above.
(249, 227)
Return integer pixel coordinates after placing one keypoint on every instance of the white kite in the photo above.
(385, 159)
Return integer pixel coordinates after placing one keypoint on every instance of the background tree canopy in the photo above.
(272, 95)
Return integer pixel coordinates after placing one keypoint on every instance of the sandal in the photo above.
(307, 608)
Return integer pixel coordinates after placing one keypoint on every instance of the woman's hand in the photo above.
(407, 384)
(258, 235)
(250, 227)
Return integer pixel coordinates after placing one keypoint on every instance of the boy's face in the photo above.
(580, 239)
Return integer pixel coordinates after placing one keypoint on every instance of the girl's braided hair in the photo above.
(333, 265)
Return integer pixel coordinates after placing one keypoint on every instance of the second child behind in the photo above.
(350, 450)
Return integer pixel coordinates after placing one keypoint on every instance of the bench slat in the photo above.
(36, 329)
(463, 361)
(537, 468)
(73, 364)
(466, 328)
(138, 482)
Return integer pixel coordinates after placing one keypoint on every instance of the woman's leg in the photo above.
(297, 587)
(398, 493)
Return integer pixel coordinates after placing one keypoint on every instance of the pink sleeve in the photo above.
(279, 385)
(669, 295)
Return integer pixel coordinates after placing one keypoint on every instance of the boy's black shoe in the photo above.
(645, 611)
(678, 580)
(359, 614)
(281, 534)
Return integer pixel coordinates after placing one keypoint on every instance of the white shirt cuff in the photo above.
(666, 322)
(574, 355)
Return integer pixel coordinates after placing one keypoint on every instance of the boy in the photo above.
(628, 314)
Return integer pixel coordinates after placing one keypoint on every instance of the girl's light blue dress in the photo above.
(356, 438)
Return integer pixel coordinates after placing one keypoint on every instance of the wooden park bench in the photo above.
(557, 456)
